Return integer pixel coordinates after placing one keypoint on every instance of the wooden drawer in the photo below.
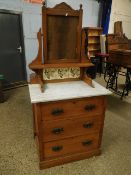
(70, 108)
(59, 129)
(70, 146)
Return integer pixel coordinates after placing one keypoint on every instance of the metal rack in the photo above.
(111, 75)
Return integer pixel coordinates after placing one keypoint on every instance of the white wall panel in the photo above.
(121, 11)
(90, 10)
(31, 47)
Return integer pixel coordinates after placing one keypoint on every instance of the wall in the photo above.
(121, 11)
(31, 18)
(90, 10)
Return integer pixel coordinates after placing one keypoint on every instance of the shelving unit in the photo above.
(92, 40)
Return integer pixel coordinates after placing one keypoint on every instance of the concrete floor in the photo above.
(18, 154)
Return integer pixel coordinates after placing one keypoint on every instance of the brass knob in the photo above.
(57, 130)
(90, 107)
(57, 112)
(57, 148)
(88, 125)
(87, 142)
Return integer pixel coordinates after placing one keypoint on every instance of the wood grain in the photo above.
(71, 108)
(68, 158)
(71, 145)
(60, 129)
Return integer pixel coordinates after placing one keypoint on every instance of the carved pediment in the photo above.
(64, 6)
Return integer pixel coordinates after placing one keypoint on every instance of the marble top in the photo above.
(65, 91)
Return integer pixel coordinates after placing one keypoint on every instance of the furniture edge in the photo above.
(68, 158)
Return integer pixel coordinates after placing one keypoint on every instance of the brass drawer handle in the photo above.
(90, 107)
(56, 112)
(87, 142)
(88, 125)
(57, 130)
(57, 148)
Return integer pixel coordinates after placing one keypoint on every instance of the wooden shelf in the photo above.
(93, 35)
(43, 66)
(93, 43)
(93, 28)
(91, 50)
(93, 39)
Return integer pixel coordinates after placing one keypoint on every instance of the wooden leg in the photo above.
(85, 78)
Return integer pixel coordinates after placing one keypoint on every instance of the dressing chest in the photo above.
(68, 107)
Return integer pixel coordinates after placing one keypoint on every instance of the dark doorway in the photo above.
(12, 57)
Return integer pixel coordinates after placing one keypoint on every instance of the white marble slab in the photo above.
(65, 90)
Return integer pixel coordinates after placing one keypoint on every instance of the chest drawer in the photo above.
(69, 146)
(59, 129)
(70, 108)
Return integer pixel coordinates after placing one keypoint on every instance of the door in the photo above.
(12, 62)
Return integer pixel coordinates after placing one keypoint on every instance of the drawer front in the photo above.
(70, 108)
(70, 146)
(59, 129)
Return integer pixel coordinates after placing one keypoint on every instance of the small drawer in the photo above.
(60, 129)
(69, 108)
(70, 146)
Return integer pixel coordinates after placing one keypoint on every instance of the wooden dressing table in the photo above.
(68, 107)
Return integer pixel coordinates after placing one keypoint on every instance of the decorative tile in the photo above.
(46, 74)
(61, 73)
(74, 72)
(54, 73)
